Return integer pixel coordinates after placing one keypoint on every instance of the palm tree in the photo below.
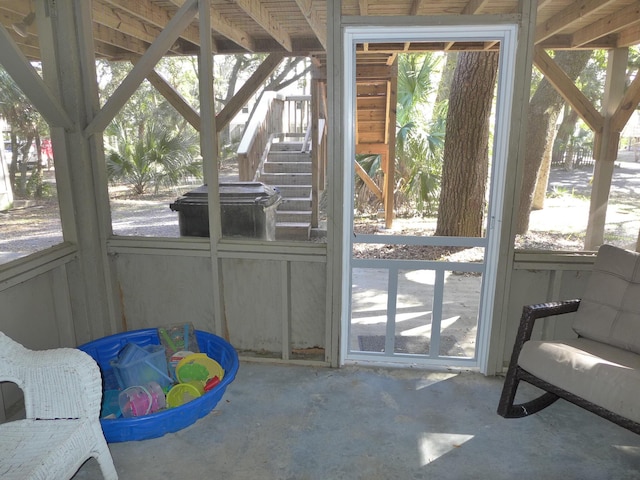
(419, 139)
(157, 157)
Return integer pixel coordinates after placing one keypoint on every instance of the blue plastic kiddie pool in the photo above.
(157, 424)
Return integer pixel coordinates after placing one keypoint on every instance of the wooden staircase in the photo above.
(288, 169)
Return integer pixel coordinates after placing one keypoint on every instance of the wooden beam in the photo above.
(542, 3)
(148, 13)
(474, 7)
(389, 182)
(259, 13)
(364, 72)
(248, 89)
(363, 6)
(565, 87)
(607, 149)
(627, 106)
(154, 53)
(174, 98)
(415, 7)
(124, 24)
(310, 9)
(574, 12)
(231, 109)
(371, 148)
(629, 37)
(371, 185)
(225, 28)
(31, 84)
(118, 39)
(613, 23)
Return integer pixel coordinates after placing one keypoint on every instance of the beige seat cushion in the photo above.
(609, 310)
(606, 376)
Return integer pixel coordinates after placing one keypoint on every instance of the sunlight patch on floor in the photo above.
(432, 379)
(400, 317)
(434, 445)
(628, 449)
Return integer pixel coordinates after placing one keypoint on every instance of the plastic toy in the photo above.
(137, 401)
(183, 393)
(198, 367)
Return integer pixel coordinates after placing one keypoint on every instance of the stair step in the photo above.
(286, 146)
(293, 230)
(286, 178)
(287, 167)
(293, 216)
(296, 203)
(288, 157)
(288, 191)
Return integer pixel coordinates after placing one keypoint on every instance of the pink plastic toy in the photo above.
(138, 400)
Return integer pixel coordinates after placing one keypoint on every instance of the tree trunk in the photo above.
(240, 64)
(544, 107)
(563, 136)
(444, 86)
(465, 160)
(562, 144)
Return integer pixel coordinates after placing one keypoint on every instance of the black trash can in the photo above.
(248, 209)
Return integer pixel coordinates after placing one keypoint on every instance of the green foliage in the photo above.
(155, 157)
(419, 141)
(415, 83)
(419, 165)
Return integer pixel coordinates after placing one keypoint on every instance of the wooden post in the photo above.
(390, 137)
(80, 165)
(315, 152)
(607, 149)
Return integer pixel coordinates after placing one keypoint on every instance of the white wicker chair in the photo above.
(62, 394)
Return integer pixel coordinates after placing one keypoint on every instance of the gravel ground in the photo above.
(33, 226)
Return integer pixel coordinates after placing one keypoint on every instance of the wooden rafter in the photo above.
(124, 27)
(127, 25)
(224, 27)
(613, 23)
(474, 7)
(363, 5)
(117, 39)
(310, 11)
(574, 12)
(415, 7)
(256, 10)
(151, 14)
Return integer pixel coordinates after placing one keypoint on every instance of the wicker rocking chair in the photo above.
(62, 395)
(598, 371)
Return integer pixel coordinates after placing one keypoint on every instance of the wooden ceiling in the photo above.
(123, 29)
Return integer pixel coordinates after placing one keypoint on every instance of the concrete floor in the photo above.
(304, 423)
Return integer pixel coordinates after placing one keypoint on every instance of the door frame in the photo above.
(507, 35)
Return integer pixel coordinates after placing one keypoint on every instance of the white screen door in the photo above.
(414, 297)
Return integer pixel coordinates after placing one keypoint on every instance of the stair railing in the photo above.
(265, 120)
(275, 115)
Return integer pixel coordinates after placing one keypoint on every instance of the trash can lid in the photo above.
(232, 193)
(254, 192)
